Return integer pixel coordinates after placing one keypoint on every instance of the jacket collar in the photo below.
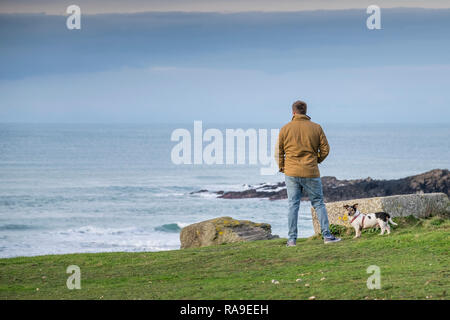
(297, 117)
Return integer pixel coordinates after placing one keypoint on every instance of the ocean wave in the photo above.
(15, 227)
(170, 227)
(92, 238)
(228, 187)
(100, 231)
(90, 244)
(167, 194)
(207, 194)
(130, 231)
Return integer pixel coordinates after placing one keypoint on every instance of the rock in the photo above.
(199, 191)
(418, 205)
(337, 190)
(223, 230)
(263, 190)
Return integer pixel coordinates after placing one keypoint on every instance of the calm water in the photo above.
(91, 188)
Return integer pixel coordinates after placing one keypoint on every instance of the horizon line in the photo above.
(213, 122)
(224, 12)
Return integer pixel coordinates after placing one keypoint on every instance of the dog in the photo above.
(361, 221)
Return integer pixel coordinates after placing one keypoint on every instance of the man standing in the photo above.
(302, 145)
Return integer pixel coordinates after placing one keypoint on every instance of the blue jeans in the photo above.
(313, 187)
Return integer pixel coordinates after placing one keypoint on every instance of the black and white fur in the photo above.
(361, 221)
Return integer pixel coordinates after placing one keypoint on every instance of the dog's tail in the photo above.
(392, 222)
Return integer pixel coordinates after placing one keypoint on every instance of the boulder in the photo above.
(417, 205)
(223, 230)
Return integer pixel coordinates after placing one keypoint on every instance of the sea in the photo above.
(76, 188)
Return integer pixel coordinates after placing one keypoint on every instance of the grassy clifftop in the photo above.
(413, 261)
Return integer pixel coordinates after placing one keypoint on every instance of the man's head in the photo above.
(299, 107)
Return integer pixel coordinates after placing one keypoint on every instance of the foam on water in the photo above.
(91, 239)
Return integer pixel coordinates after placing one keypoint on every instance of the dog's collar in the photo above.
(355, 217)
(362, 222)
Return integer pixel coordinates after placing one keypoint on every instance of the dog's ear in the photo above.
(355, 206)
(346, 206)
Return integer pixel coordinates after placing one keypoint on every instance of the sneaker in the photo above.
(291, 243)
(331, 239)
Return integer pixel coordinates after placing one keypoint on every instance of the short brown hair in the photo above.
(299, 107)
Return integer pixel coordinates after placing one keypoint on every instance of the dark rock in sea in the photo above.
(336, 190)
(199, 191)
(260, 191)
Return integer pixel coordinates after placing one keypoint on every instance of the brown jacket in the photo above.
(302, 145)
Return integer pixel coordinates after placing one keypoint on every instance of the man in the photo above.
(302, 145)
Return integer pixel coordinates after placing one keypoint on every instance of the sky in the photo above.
(237, 61)
(132, 6)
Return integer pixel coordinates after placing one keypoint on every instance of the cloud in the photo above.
(355, 95)
(132, 6)
(180, 67)
(274, 42)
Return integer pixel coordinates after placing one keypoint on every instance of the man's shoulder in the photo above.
(285, 127)
(301, 123)
(315, 125)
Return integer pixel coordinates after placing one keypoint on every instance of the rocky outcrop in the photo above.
(418, 205)
(223, 230)
(271, 191)
(335, 190)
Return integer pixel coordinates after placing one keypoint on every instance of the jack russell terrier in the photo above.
(361, 221)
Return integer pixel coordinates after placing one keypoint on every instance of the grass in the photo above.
(414, 263)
